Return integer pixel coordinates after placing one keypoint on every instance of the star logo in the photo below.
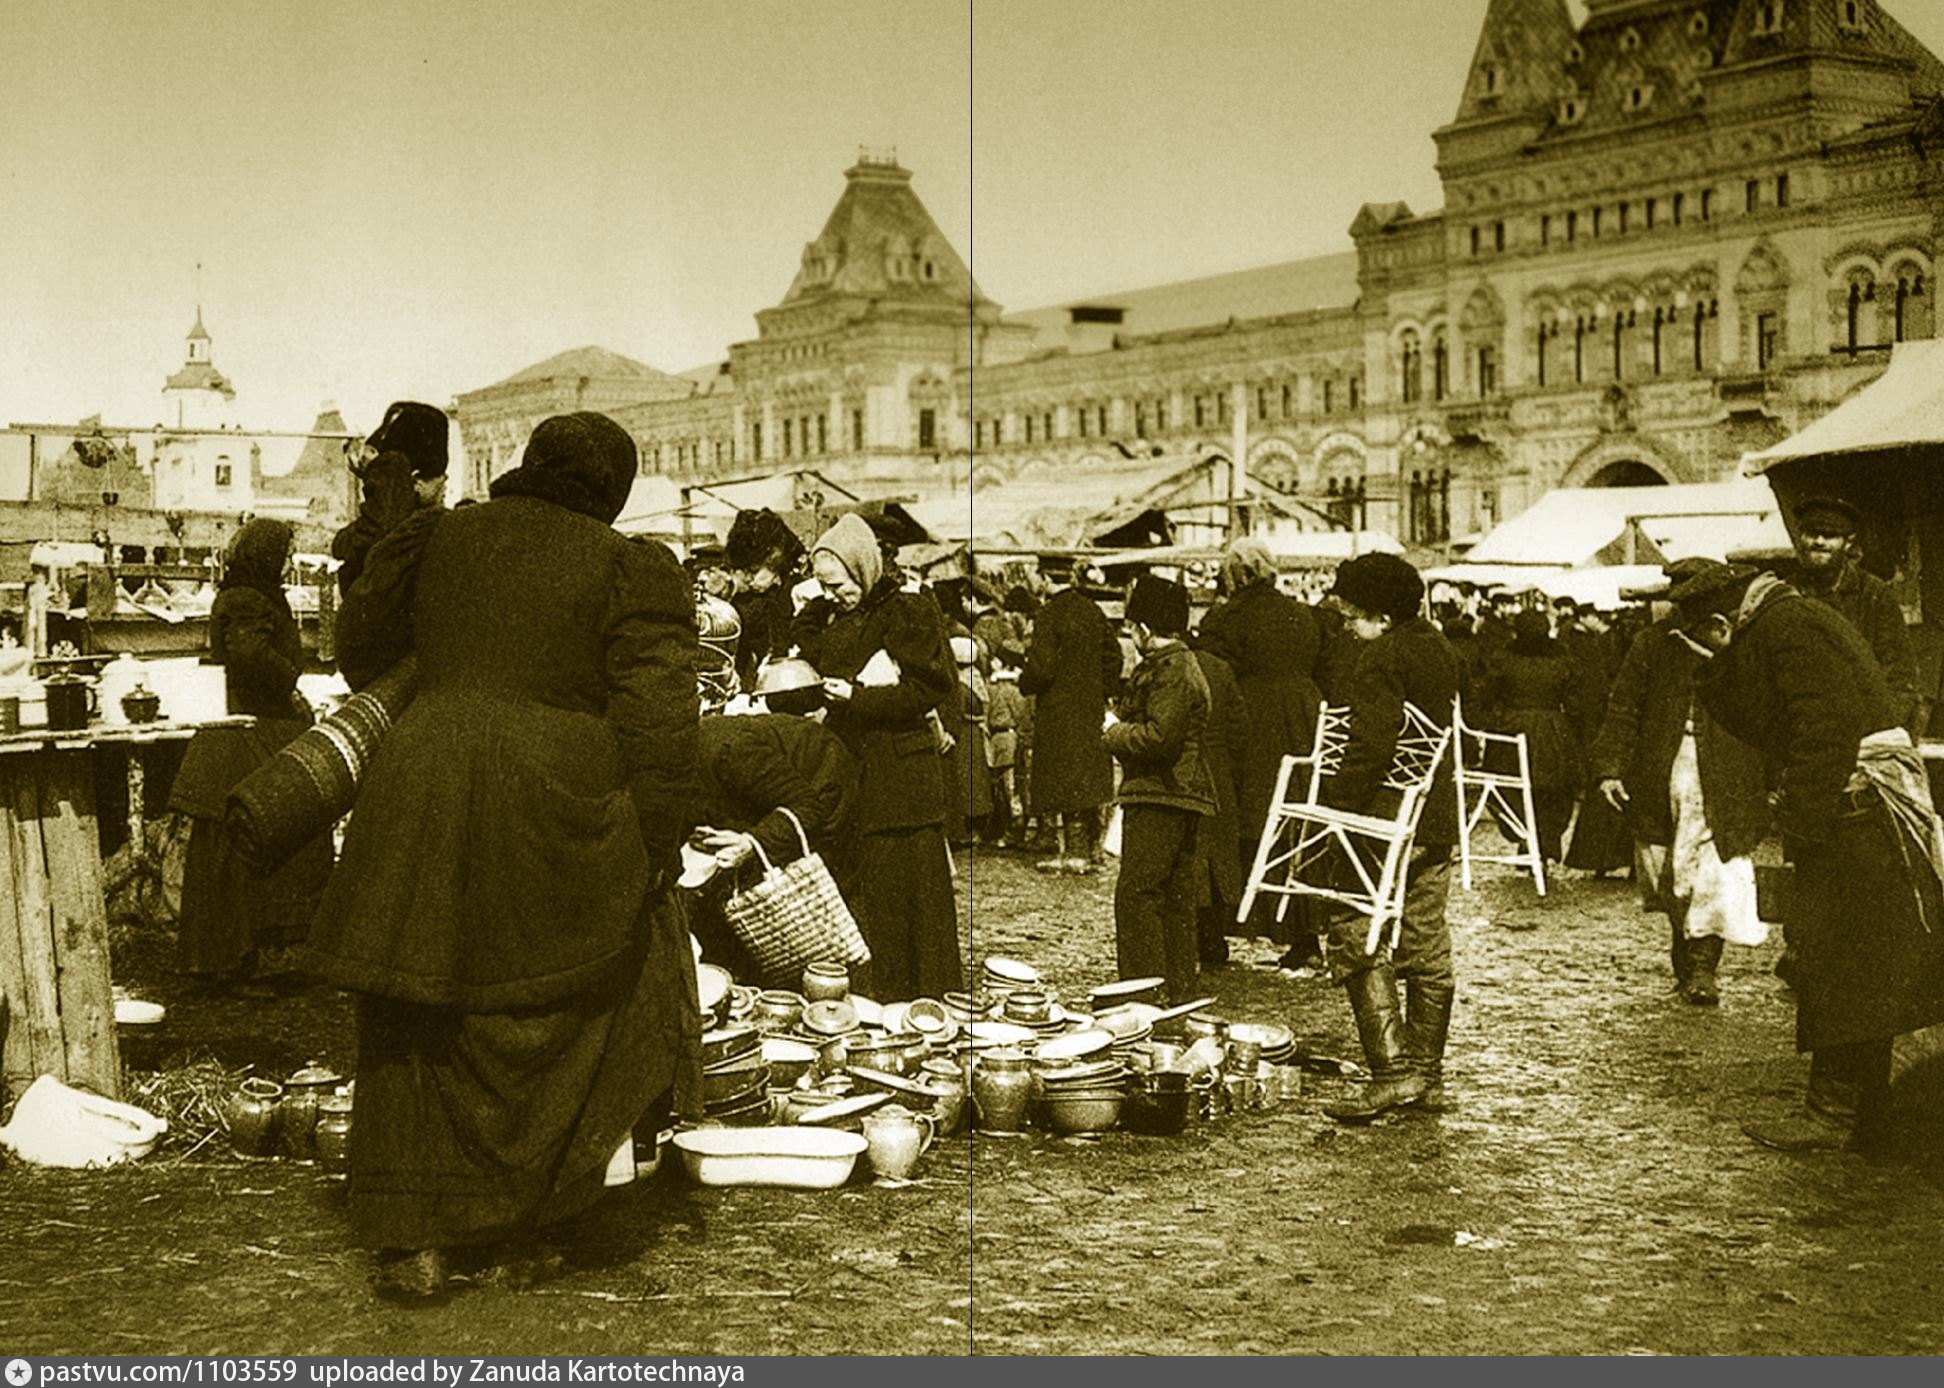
(19, 1373)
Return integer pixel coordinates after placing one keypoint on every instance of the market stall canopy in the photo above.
(1581, 527)
(1903, 408)
(806, 500)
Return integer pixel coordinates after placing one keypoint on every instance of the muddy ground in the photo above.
(1594, 1193)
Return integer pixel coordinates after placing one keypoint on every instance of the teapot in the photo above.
(896, 1137)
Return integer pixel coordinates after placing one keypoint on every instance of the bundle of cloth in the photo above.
(313, 781)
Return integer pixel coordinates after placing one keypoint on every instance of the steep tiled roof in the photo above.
(199, 375)
(590, 363)
(1268, 291)
(1515, 68)
(880, 242)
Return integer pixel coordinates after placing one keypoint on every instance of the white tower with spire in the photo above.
(198, 396)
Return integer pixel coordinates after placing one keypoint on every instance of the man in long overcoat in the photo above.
(1271, 642)
(1072, 667)
(1792, 678)
(1224, 741)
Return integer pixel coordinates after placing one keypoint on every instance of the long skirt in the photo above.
(902, 898)
(1601, 840)
(473, 1127)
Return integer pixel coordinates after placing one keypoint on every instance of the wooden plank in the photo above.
(17, 1053)
(42, 1015)
(69, 837)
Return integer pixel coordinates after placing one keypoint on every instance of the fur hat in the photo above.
(1159, 605)
(418, 431)
(1381, 584)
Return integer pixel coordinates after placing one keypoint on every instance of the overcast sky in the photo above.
(415, 199)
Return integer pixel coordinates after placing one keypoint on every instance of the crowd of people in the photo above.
(505, 910)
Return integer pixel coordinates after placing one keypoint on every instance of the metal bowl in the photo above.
(1154, 1113)
(1073, 1111)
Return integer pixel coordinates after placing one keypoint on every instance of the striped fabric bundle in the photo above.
(313, 781)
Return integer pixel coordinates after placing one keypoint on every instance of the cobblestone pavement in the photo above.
(1593, 1193)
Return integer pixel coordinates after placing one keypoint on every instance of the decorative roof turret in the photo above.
(1515, 70)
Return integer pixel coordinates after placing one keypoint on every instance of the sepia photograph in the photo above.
(689, 680)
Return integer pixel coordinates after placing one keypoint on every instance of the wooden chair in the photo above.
(1355, 860)
(1507, 795)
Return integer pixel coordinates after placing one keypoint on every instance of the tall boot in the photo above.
(1704, 955)
(1380, 1028)
(1427, 1023)
(1678, 952)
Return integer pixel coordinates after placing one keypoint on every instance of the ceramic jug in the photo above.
(896, 1138)
(1002, 1087)
(251, 1116)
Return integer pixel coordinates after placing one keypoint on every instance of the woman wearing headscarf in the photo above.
(1271, 642)
(903, 902)
(229, 911)
(524, 984)
(1532, 687)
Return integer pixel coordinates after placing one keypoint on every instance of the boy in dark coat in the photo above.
(1165, 792)
(1404, 660)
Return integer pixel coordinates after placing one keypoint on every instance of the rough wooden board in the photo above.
(80, 918)
(17, 1053)
(41, 1015)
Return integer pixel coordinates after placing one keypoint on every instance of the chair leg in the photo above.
(1532, 827)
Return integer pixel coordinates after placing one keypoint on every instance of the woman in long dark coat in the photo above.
(1271, 642)
(1531, 687)
(229, 911)
(524, 984)
(1073, 666)
(903, 902)
(1601, 843)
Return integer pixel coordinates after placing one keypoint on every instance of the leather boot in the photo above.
(1678, 953)
(1427, 1022)
(1703, 957)
(1380, 1028)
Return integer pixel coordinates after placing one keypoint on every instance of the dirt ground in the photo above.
(1593, 1193)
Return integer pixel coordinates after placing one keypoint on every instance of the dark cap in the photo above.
(1158, 604)
(1703, 587)
(1380, 583)
(1827, 515)
(419, 432)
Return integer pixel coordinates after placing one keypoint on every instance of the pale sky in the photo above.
(417, 199)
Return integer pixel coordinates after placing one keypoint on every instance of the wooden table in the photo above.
(59, 1015)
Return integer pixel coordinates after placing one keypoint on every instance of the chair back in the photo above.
(1326, 751)
(1421, 745)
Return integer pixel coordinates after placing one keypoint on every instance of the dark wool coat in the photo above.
(1871, 606)
(765, 629)
(1271, 642)
(1336, 655)
(901, 782)
(532, 796)
(1410, 663)
(903, 902)
(1224, 742)
(1799, 684)
(1538, 695)
(1158, 740)
(749, 769)
(1646, 718)
(1072, 667)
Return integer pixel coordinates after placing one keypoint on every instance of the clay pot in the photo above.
(1002, 1087)
(826, 982)
(251, 1116)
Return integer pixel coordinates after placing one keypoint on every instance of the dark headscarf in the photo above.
(256, 559)
(584, 462)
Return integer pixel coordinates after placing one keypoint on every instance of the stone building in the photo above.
(1672, 233)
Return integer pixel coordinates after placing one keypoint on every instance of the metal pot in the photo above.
(332, 1136)
(251, 1117)
(302, 1091)
(71, 701)
(141, 704)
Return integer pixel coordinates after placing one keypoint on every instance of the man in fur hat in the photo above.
(403, 467)
(1403, 660)
(1166, 791)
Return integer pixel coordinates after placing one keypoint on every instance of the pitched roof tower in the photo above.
(1514, 83)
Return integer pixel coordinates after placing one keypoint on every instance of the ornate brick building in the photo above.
(1675, 232)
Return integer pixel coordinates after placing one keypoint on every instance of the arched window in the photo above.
(1440, 367)
(1411, 364)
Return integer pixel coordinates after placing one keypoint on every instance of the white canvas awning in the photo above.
(1580, 527)
(1902, 408)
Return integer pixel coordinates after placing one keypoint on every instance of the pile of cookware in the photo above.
(305, 1117)
(1007, 1055)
